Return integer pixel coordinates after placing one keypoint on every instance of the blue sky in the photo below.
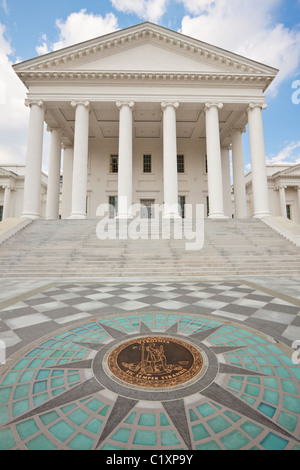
(264, 30)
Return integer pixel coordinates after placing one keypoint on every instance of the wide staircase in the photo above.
(72, 249)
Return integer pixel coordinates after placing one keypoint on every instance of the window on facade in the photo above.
(147, 164)
(206, 165)
(113, 206)
(207, 206)
(1, 213)
(181, 203)
(289, 211)
(114, 164)
(180, 163)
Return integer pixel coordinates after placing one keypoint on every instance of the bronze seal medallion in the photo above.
(155, 362)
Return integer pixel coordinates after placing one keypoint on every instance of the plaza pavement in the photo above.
(51, 396)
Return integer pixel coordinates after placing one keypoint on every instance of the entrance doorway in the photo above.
(147, 210)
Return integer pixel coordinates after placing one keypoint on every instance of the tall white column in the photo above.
(238, 174)
(6, 205)
(298, 193)
(258, 161)
(171, 208)
(225, 156)
(67, 182)
(53, 191)
(125, 159)
(81, 143)
(282, 199)
(214, 163)
(32, 184)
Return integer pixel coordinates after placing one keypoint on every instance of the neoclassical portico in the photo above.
(166, 109)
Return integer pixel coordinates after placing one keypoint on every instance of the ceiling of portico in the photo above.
(147, 120)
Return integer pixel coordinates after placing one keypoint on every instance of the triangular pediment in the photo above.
(145, 47)
(289, 172)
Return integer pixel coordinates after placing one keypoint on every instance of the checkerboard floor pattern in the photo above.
(61, 304)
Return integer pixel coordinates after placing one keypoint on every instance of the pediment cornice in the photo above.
(61, 64)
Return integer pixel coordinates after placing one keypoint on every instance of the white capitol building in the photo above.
(146, 115)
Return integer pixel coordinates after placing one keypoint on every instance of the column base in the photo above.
(261, 215)
(124, 217)
(217, 216)
(170, 216)
(78, 217)
(30, 215)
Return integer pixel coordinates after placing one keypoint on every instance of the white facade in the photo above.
(283, 191)
(146, 115)
(12, 191)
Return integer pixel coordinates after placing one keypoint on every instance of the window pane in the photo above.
(114, 160)
(181, 203)
(1, 213)
(180, 163)
(147, 163)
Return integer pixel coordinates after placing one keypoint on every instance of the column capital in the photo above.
(241, 130)
(29, 103)
(209, 105)
(173, 104)
(51, 129)
(257, 105)
(120, 104)
(86, 104)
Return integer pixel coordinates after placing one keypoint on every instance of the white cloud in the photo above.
(78, 27)
(5, 7)
(289, 154)
(151, 10)
(13, 113)
(247, 28)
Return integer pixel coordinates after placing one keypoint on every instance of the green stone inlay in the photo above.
(147, 419)
(289, 387)
(48, 418)
(212, 445)
(291, 403)
(218, 424)
(234, 440)
(163, 420)
(200, 432)
(131, 418)
(39, 387)
(94, 404)
(193, 416)
(78, 416)
(81, 442)
(4, 394)
(273, 442)
(252, 429)
(145, 438)
(252, 390)
(94, 426)
(287, 421)
(169, 438)
(40, 443)
(11, 378)
(21, 391)
(20, 407)
(205, 410)
(122, 435)
(39, 399)
(27, 428)
(267, 409)
(271, 397)
(233, 416)
(6, 439)
(61, 430)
